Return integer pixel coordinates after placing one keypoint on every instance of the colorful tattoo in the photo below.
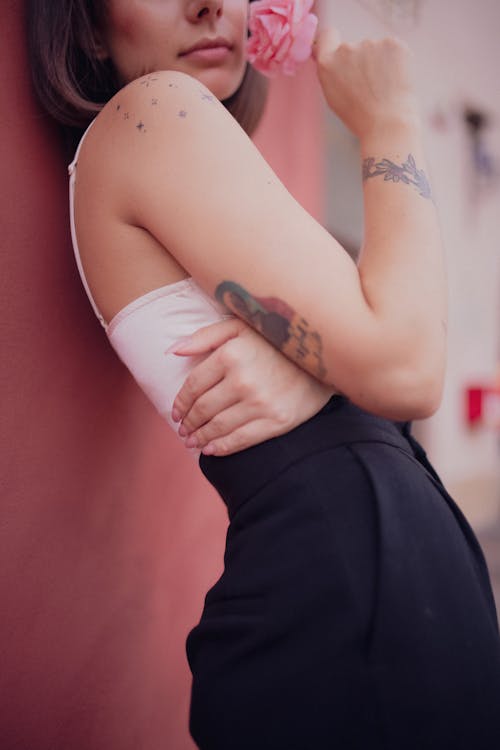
(278, 323)
(406, 173)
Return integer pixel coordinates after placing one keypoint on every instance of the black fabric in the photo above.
(355, 609)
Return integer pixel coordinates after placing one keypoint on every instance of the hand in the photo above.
(367, 85)
(243, 393)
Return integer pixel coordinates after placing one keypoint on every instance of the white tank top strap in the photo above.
(72, 177)
(71, 167)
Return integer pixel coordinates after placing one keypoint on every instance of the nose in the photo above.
(204, 10)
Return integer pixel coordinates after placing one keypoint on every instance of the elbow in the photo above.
(400, 394)
(399, 377)
(415, 394)
(420, 384)
(423, 395)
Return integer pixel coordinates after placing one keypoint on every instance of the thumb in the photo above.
(207, 339)
(326, 40)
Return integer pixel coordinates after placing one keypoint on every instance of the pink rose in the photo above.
(282, 32)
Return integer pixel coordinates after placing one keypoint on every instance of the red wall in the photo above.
(109, 536)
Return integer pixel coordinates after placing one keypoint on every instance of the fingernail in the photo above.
(179, 345)
(176, 415)
(182, 431)
(209, 450)
(191, 442)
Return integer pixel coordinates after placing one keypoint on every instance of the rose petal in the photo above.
(282, 32)
(301, 47)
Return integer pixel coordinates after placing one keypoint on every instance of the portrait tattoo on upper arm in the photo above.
(407, 173)
(278, 323)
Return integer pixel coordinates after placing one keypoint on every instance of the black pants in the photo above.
(355, 609)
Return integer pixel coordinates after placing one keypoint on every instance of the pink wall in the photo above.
(109, 537)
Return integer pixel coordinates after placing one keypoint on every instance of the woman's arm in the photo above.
(184, 170)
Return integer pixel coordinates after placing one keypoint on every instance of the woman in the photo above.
(355, 608)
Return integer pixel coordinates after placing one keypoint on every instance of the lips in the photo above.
(207, 44)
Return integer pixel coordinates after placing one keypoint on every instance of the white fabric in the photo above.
(144, 330)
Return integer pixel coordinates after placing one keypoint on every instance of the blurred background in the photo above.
(109, 537)
(457, 58)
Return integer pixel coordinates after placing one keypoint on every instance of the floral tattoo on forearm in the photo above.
(278, 323)
(407, 173)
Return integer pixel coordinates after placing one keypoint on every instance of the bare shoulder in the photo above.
(164, 89)
(164, 106)
(166, 118)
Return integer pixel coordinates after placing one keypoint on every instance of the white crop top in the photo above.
(144, 330)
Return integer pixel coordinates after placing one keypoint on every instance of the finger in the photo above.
(202, 378)
(207, 339)
(244, 437)
(213, 402)
(221, 425)
(327, 39)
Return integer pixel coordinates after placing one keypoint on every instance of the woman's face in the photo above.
(204, 38)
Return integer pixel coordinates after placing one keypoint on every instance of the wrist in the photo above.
(390, 130)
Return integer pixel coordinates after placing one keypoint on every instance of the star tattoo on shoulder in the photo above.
(146, 82)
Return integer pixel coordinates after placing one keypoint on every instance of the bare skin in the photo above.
(375, 332)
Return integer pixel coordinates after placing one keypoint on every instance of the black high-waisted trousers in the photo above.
(355, 609)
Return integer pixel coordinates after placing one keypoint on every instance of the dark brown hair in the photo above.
(73, 85)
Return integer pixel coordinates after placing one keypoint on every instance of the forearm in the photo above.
(401, 265)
